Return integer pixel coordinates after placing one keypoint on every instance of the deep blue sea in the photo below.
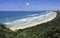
(8, 16)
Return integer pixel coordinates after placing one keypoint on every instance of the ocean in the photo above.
(7, 17)
(22, 19)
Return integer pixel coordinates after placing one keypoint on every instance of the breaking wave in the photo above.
(31, 20)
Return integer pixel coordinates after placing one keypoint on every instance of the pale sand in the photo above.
(34, 23)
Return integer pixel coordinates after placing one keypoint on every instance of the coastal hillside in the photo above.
(46, 30)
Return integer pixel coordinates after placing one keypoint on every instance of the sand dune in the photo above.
(39, 20)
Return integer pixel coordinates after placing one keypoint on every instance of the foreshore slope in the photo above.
(48, 17)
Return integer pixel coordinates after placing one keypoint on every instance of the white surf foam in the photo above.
(31, 21)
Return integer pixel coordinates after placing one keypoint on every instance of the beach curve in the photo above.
(45, 18)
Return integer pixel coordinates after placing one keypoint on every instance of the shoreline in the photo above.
(34, 23)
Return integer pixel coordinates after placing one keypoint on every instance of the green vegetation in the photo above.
(47, 30)
(5, 32)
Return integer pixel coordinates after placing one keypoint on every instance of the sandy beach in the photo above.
(48, 17)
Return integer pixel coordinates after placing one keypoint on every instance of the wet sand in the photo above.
(34, 23)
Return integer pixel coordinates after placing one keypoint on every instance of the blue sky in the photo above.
(33, 5)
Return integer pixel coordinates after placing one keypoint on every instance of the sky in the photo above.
(29, 5)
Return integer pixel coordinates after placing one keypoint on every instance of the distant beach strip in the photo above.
(32, 21)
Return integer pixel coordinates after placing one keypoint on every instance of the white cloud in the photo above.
(27, 4)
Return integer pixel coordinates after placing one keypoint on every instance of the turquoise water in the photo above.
(9, 16)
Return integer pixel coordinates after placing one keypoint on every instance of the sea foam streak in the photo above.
(30, 21)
